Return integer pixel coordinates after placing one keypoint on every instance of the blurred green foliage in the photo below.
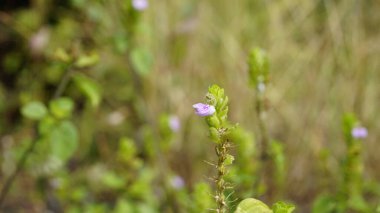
(95, 85)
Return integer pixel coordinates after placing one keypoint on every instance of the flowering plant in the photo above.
(215, 111)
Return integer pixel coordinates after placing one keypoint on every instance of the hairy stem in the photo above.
(221, 151)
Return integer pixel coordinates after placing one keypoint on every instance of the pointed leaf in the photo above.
(142, 60)
(61, 107)
(87, 60)
(89, 88)
(282, 207)
(251, 205)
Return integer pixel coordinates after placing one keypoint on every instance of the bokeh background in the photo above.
(144, 70)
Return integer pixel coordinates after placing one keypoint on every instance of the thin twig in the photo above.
(12, 177)
(63, 84)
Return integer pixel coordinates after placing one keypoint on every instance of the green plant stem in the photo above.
(264, 155)
(63, 83)
(353, 170)
(266, 167)
(221, 151)
(20, 164)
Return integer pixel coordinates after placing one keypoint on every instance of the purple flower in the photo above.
(204, 109)
(140, 5)
(177, 182)
(174, 123)
(359, 132)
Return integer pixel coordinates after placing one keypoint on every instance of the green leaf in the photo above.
(202, 201)
(229, 160)
(324, 204)
(358, 203)
(141, 187)
(251, 205)
(349, 121)
(87, 60)
(258, 67)
(120, 41)
(34, 110)
(61, 107)
(61, 55)
(113, 181)
(46, 125)
(78, 193)
(64, 140)
(213, 121)
(89, 88)
(145, 208)
(127, 150)
(123, 206)
(282, 207)
(142, 60)
(214, 135)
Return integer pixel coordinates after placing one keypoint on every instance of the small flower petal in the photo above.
(204, 109)
(177, 182)
(140, 5)
(174, 123)
(359, 132)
